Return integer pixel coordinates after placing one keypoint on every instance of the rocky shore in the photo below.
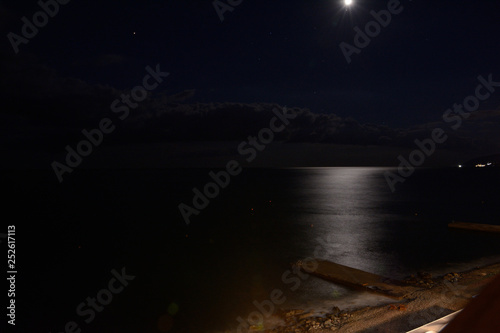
(428, 299)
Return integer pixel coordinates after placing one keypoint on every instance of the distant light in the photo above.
(488, 164)
(348, 2)
(460, 165)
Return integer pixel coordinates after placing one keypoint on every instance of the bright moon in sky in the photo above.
(348, 2)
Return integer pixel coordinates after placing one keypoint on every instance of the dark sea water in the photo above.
(202, 277)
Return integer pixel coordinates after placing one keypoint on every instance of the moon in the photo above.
(348, 2)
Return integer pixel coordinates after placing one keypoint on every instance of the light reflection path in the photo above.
(345, 207)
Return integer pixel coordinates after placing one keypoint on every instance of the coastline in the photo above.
(429, 298)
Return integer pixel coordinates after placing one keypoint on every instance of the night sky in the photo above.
(225, 77)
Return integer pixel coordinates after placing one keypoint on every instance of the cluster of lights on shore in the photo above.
(480, 165)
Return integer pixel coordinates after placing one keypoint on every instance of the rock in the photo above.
(452, 277)
(335, 311)
(294, 313)
(305, 315)
(400, 307)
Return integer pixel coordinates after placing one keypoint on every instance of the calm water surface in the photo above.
(201, 277)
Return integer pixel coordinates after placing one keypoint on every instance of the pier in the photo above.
(475, 226)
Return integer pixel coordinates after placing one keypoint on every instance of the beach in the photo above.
(428, 298)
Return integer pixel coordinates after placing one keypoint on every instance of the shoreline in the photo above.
(429, 298)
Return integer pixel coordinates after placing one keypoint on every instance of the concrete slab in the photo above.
(475, 226)
(356, 278)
